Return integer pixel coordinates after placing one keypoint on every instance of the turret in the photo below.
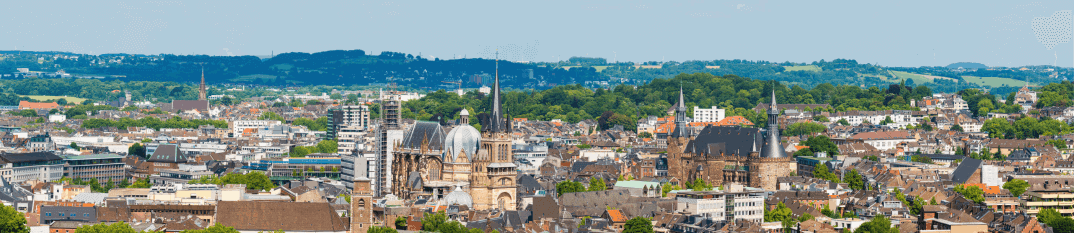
(772, 148)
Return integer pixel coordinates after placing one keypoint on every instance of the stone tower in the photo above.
(493, 178)
(772, 162)
(361, 205)
(679, 162)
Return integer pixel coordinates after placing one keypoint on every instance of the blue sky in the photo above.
(895, 33)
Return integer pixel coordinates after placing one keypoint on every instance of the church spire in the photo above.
(496, 117)
(680, 117)
(201, 88)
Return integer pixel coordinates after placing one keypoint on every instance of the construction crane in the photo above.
(460, 92)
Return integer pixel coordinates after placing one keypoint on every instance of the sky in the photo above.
(890, 33)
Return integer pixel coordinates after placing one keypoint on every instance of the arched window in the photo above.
(361, 204)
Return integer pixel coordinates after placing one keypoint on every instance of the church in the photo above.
(722, 155)
(460, 167)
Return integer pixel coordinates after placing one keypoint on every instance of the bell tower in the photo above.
(361, 205)
(494, 174)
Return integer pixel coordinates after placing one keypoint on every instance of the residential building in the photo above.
(344, 116)
(41, 142)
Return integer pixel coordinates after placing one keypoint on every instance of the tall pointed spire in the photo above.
(682, 100)
(773, 105)
(201, 88)
(772, 147)
(496, 118)
(680, 117)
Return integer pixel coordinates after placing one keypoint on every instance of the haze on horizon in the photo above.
(902, 33)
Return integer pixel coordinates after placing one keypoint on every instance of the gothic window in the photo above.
(361, 204)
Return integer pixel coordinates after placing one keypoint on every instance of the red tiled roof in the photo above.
(616, 216)
(31, 105)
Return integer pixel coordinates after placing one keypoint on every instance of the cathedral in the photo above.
(728, 154)
(462, 167)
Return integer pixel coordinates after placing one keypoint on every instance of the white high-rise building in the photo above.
(708, 114)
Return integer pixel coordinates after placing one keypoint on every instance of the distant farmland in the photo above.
(994, 81)
(801, 68)
(46, 97)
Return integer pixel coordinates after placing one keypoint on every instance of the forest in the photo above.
(624, 105)
(357, 67)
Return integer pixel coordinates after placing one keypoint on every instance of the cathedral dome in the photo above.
(463, 138)
(459, 197)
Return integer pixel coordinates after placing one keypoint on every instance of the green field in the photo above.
(916, 77)
(994, 81)
(801, 68)
(45, 97)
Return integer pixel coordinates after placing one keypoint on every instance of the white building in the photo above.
(884, 140)
(39, 166)
(708, 114)
(237, 127)
(57, 118)
(596, 154)
(746, 203)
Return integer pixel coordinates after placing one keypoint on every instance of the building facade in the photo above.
(431, 163)
(708, 114)
(722, 155)
(103, 167)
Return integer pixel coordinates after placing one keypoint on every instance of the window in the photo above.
(48, 214)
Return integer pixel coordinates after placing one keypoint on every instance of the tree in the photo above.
(227, 101)
(640, 135)
(12, 221)
(400, 223)
(668, 188)
(804, 128)
(1016, 186)
(75, 146)
(805, 217)
(972, 193)
(854, 180)
(956, 127)
(828, 212)
(119, 227)
(879, 224)
(376, 229)
(821, 144)
(567, 186)
(433, 221)
(141, 183)
(887, 120)
(597, 184)
(780, 213)
(843, 121)
(216, 228)
(1058, 222)
(638, 225)
(820, 171)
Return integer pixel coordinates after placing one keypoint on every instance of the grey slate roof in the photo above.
(425, 131)
(965, 169)
(730, 140)
(168, 153)
(29, 157)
